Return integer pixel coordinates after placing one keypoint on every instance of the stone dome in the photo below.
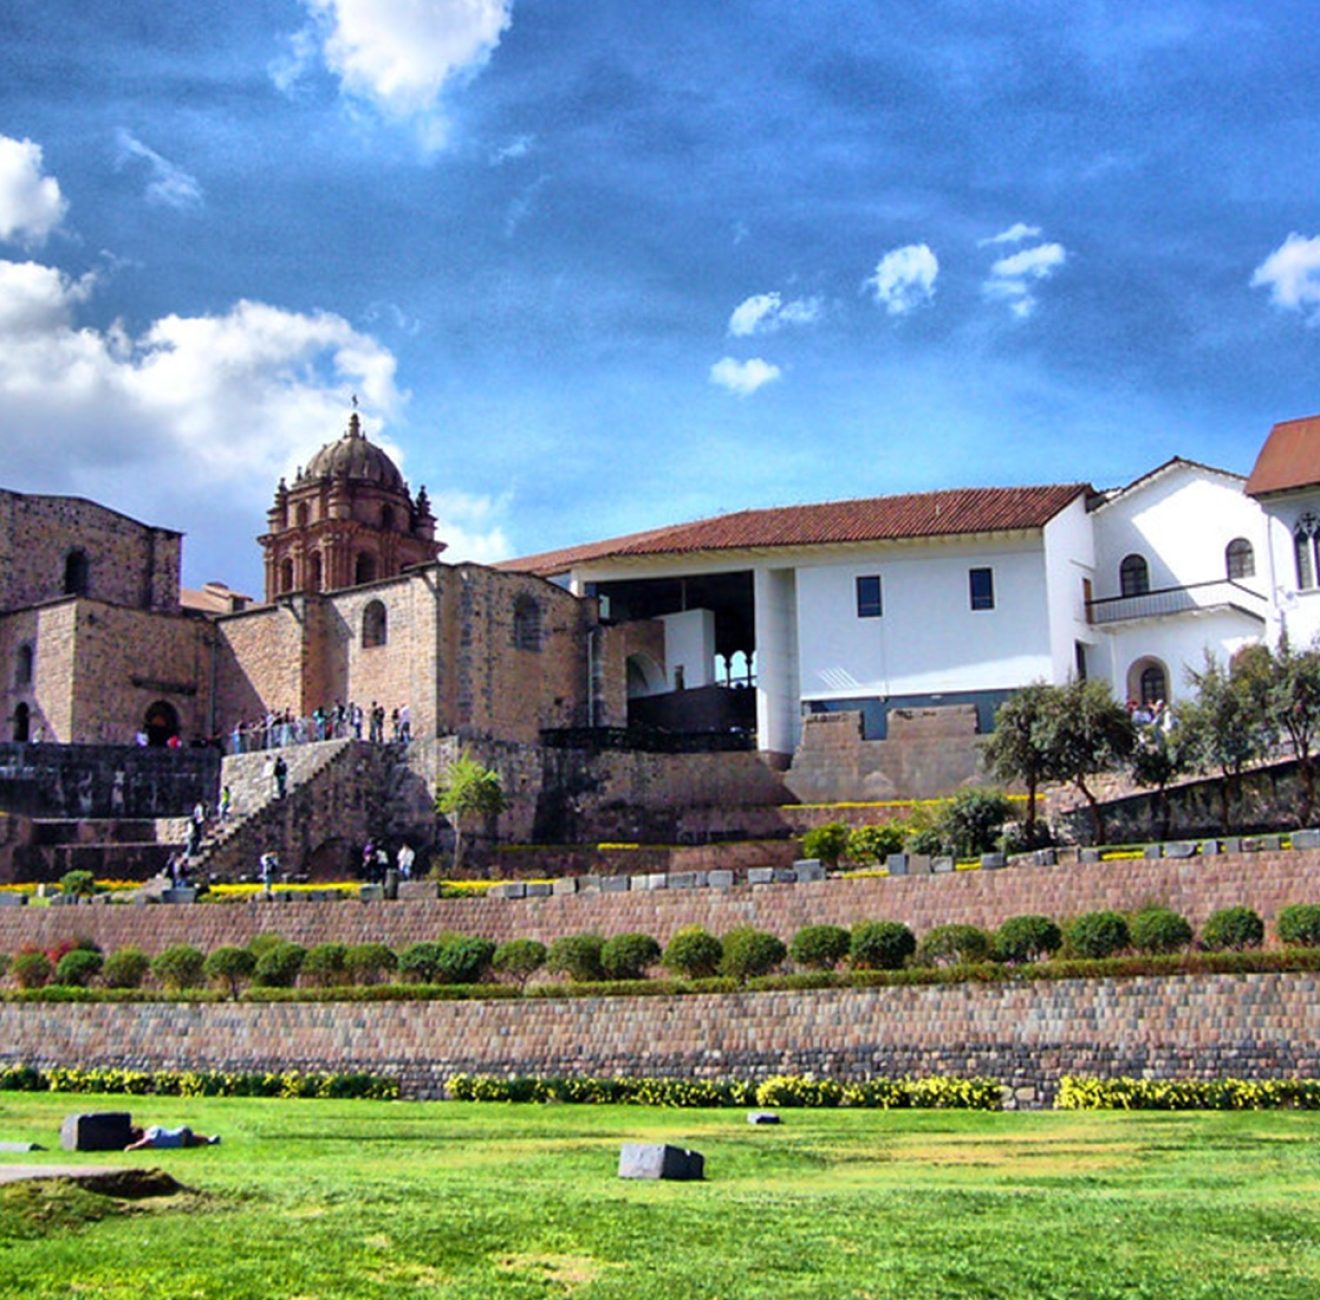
(353, 457)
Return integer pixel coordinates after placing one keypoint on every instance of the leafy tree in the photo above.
(520, 959)
(749, 952)
(32, 970)
(880, 945)
(627, 956)
(1293, 695)
(949, 945)
(1015, 750)
(820, 947)
(77, 967)
(468, 789)
(828, 843)
(1233, 927)
(420, 962)
(577, 956)
(230, 966)
(1299, 925)
(179, 966)
(278, 968)
(464, 958)
(867, 845)
(693, 952)
(971, 820)
(1158, 758)
(1097, 934)
(125, 968)
(367, 962)
(1026, 938)
(1084, 732)
(1159, 929)
(78, 884)
(324, 964)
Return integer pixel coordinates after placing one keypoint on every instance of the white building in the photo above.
(960, 597)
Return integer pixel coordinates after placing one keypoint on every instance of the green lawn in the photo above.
(308, 1198)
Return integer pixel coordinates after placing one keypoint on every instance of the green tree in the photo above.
(1293, 696)
(693, 952)
(78, 884)
(970, 822)
(178, 967)
(1015, 750)
(1084, 732)
(519, 959)
(231, 967)
(468, 789)
(1158, 758)
(827, 842)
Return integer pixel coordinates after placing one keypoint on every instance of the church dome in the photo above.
(353, 457)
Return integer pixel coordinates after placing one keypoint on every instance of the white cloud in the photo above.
(905, 278)
(763, 313)
(743, 377)
(1015, 234)
(1011, 277)
(398, 55)
(168, 183)
(470, 526)
(1292, 274)
(31, 205)
(518, 147)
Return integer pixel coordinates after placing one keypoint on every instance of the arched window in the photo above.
(1304, 540)
(76, 572)
(314, 571)
(161, 723)
(526, 623)
(22, 724)
(1133, 576)
(286, 576)
(1153, 684)
(23, 666)
(301, 515)
(373, 625)
(364, 570)
(1240, 559)
(387, 518)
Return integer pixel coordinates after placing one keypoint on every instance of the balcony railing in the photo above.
(1164, 601)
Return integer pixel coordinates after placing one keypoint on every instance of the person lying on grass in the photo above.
(156, 1136)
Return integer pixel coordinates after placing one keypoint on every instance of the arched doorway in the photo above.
(1148, 681)
(22, 724)
(645, 676)
(76, 573)
(161, 723)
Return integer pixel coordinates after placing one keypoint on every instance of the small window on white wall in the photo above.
(981, 586)
(1133, 576)
(1304, 540)
(1240, 559)
(870, 603)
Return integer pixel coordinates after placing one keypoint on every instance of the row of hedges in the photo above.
(198, 1083)
(1078, 1092)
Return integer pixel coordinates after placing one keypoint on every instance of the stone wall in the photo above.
(1195, 887)
(1026, 1035)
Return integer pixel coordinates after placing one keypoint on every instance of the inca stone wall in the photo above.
(1195, 887)
(1026, 1035)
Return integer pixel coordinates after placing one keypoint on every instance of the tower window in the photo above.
(77, 570)
(526, 624)
(374, 625)
(23, 666)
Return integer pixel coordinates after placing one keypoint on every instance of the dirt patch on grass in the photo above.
(567, 1271)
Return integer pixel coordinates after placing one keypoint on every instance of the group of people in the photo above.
(342, 721)
(1157, 715)
(376, 861)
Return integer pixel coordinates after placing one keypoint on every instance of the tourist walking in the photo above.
(281, 773)
(405, 858)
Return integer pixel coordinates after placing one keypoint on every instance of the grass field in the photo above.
(328, 1199)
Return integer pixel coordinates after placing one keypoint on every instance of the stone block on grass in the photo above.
(809, 869)
(1209, 848)
(756, 1117)
(106, 1130)
(614, 884)
(919, 864)
(1307, 839)
(565, 885)
(897, 864)
(993, 861)
(940, 865)
(541, 889)
(512, 889)
(589, 884)
(682, 880)
(720, 879)
(659, 1160)
(1180, 849)
(761, 876)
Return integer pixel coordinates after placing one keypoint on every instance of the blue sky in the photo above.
(594, 265)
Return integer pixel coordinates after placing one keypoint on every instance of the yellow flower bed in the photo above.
(478, 887)
(248, 891)
(882, 803)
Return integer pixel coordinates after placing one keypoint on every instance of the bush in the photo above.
(278, 967)
(31, 970)
(693, 953)
(1299, 925)
(325, 966)
(1158, 929)
(231, 967)
(948, 945)
(519, 959)
(1026, 938)
(922, 833)
(1097, 934)
(260, 944)
(791, 1090)
(367, 963)
(464, 959)
(972, 819)
(78, 884)
(627, 956)
(880, 945)
(4, 964)
(125, 968)
(420, 962)
(867, 845)
(749, 952)
(77, 968)
(1233, 928)
(828, 843)
(577, 956)
(179, 966)
(819, 947)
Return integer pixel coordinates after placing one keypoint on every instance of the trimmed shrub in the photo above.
(31, 970)
(125, 968)
(693, 952)
(867, 845)
(972, 819)
(231, 967)
(77, 968)
(278, 968)
(828, 843)
(324, 964)
(1026, 938)
(1299, 925)
(1233, 928)
(420, 962)
(519, 959)
(951, 945)
(819, 947)
(260, 944)
(1096, 934)
(464, 959)
(749, 952)
(1159, 929)
(78, 884)
(577, 956)
(368, 963)
(179, 966)
(627, 956)
(922, 833)
(880, 945)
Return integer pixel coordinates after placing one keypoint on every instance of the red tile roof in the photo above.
(1290, 458)
(874, 519)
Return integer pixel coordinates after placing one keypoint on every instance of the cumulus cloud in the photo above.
(31, 205)
(763, 313)
(1015, 234)
(398, 55)
(1292, 274)
(1011, 278)
(519, 147)
(469, 525)
(905, 278)
(167, 183)
(743, 377)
